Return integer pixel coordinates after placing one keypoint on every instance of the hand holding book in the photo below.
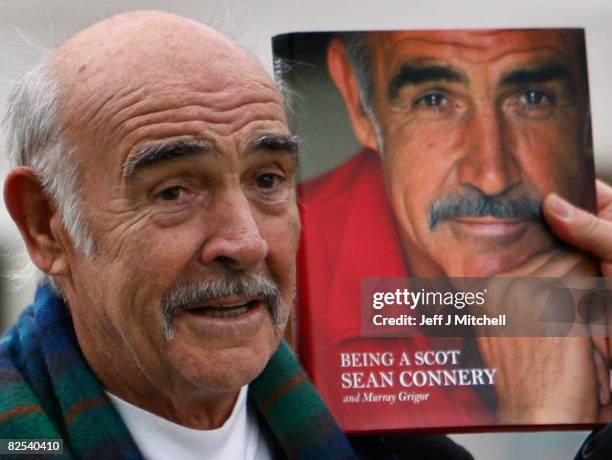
(543, 379)
(592, 233)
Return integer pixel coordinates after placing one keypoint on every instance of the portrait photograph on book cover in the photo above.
(440, 149)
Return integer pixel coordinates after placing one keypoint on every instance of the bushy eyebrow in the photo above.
(275, 143)
(155, 153)
(415, 74)
(541, 74)
(158, 152)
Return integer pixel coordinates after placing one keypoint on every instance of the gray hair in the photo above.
(35, 138)
(281, 68)
(359, 55)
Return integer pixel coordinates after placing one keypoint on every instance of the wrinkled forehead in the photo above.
(478, 46)
(112, 84)
(97, 74)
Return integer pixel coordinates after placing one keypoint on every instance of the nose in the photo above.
(235, 240)
(489, 164)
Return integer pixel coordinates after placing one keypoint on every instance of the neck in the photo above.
(192, 412)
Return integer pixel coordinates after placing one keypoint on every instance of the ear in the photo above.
(342, 73)
(37, 220)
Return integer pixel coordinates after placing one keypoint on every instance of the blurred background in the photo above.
(29, 28)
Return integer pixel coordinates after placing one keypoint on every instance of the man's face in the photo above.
(476, 128)
(189, 179)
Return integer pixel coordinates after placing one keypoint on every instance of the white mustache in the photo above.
(203, 292)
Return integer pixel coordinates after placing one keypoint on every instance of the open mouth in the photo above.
(224, 310)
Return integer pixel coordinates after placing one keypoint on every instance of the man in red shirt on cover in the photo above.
(466, 134)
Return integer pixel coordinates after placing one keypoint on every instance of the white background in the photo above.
(29, 28)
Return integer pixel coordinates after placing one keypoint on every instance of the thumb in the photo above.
(578, 227)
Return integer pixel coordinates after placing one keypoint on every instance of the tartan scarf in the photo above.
(48, 391)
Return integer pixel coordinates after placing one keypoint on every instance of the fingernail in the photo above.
(559, 206)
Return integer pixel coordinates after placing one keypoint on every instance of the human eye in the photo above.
(435, 104)
(535, 97)
(173, 193)
(432, 99)
(271, 185)
(269, 181)
(533, 103)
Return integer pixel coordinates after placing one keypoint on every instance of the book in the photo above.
(432, 293)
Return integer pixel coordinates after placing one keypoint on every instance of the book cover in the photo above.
(432, 294)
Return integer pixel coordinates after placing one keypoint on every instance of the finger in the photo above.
(533, 265)
(603, 378)
(604, 199)
(600, 343)
(578, 227)
(562, 264)
(605, 414)
(604, 192)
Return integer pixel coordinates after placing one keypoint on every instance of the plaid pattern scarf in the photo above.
(47, 391)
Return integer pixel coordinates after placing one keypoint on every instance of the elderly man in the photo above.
(465, 134)
(154, 185)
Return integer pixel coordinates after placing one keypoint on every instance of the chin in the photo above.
(486, 265)
(223, 370)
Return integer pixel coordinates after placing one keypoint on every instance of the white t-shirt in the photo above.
(240, 437)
